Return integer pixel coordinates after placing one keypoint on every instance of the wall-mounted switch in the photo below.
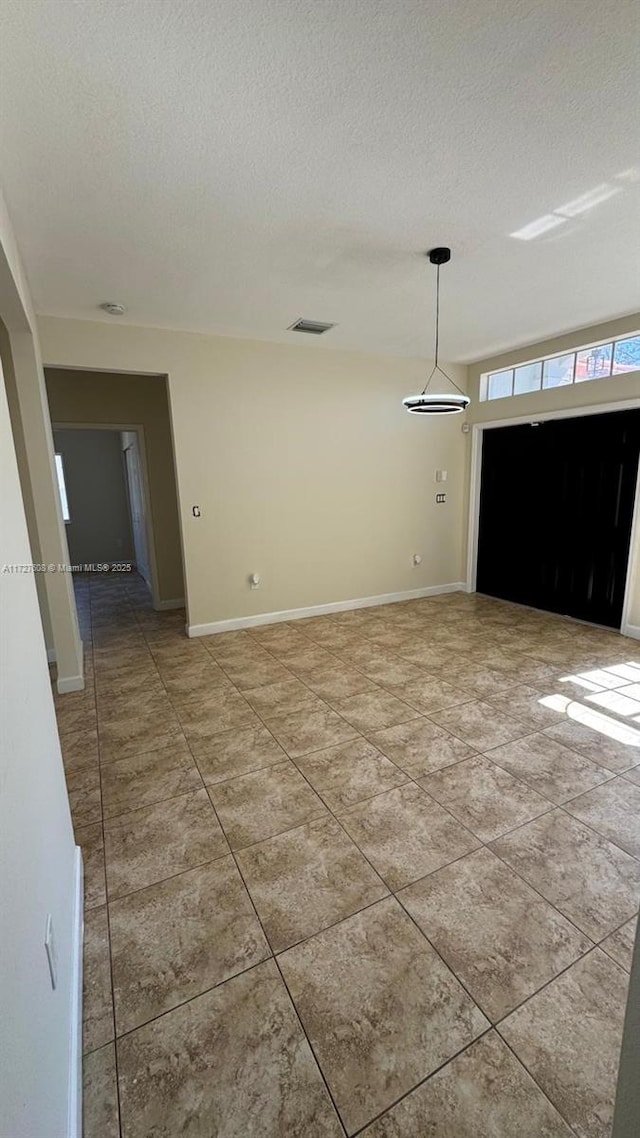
(255, 581)
(51, 950)
(441, 498)
(196, 511)
(441, 476)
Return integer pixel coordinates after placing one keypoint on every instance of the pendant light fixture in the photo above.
(437, 404)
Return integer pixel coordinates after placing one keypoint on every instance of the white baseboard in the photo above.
(166, 606)
(632, 630)
(319, 610)
(75, 1036)
(70, 683)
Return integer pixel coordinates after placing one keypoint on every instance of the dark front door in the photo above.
(556, 506)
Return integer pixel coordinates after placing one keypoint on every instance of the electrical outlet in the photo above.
(196, 511)
(51, 951)
(441, 498)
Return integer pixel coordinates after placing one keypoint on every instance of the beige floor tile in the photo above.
(97, 1002)
(556, 772)
(619, 946)
(349, 773)
(178, 938)
(264, 803)
(83, 788)
(429, 656)
(633, 775)
(91, 841)
(523, 702)
(238, 752)
(282, 698)
(158, 841)
(483, 1093)
(515, 943)
(303, 660)
(141, 780)
(79, 749)
(125, 737)
(428, 694)
(307, 879)
(380, 1008)
(478, 681)
(480, 725)
(391, 671)
(248, 673)
(191, 679)
(100, 1094)
(336, 680)
(222, 710)
(129, 680)
(614, 811)
(148, 705)
(76, 717)
(594, 883)
(310, 730)
(405, 834)
(371, 711)
(487, 799)
(598, 746)
(254, 1074)
(568, 1036)
(419, 747)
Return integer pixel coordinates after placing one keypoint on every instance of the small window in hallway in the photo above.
(62, 488)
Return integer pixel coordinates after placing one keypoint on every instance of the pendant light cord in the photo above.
(436, 366)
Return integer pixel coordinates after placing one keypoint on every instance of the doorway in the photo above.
(556, 513)
(104, 491)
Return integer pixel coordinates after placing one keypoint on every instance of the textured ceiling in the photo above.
(230, 165)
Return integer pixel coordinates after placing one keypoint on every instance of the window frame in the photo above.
(540, 361)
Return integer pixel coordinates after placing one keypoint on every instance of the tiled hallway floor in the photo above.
(375, 872)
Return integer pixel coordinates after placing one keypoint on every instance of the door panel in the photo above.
(556, 507)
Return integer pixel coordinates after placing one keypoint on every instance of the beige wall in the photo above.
(304, 464)
(570, 398)
(130, 400)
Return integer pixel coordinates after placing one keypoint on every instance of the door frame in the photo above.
(139, 429)
(473, 531)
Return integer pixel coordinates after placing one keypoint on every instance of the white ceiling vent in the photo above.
(312, 327)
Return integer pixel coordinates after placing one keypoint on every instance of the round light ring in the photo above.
(436, 404)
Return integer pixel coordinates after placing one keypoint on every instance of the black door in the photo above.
(556, 506)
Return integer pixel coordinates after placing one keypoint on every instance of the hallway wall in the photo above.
(99, 529)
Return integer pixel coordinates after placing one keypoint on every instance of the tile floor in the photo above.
(372, 873)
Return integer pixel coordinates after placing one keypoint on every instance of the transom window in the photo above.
(596, 362)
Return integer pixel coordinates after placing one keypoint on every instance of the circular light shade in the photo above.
(436, 404)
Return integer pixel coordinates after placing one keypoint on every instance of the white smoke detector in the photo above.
(112, 308)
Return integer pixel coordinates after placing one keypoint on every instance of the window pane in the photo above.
(62, 488)
(500, 384)
(626, 355)
(593, 363)
(527, 378)
(558, 371)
